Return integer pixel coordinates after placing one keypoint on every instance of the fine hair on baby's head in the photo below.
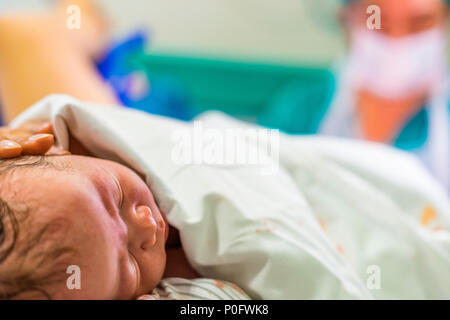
(29, 251)
(58, 212)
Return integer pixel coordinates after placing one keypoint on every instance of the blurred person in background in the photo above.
(393, 87)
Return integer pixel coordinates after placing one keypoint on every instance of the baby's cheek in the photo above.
(152, 270)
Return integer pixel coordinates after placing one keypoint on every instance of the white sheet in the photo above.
(335, 218)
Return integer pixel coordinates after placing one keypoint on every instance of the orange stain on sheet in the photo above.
(428, 214)
(322, 224)
(340, 249)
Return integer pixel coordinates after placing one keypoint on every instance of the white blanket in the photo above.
(332, 218)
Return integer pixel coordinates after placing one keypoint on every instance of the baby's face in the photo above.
(113, 223)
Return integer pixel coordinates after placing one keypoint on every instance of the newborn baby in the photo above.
(334, 211)
(75, 210)
(57, 211)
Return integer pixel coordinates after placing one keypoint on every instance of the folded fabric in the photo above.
(316, 218)
(195, 289)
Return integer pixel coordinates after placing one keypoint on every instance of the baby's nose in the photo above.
(147, 226)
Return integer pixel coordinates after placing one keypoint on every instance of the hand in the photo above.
(31, 138)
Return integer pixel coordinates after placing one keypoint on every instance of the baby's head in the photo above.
(56, 212)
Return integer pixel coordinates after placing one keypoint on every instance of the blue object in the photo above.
(122, 70)
(300, 107)
(415, 133)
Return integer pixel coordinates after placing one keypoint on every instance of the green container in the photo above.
(266, 93)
